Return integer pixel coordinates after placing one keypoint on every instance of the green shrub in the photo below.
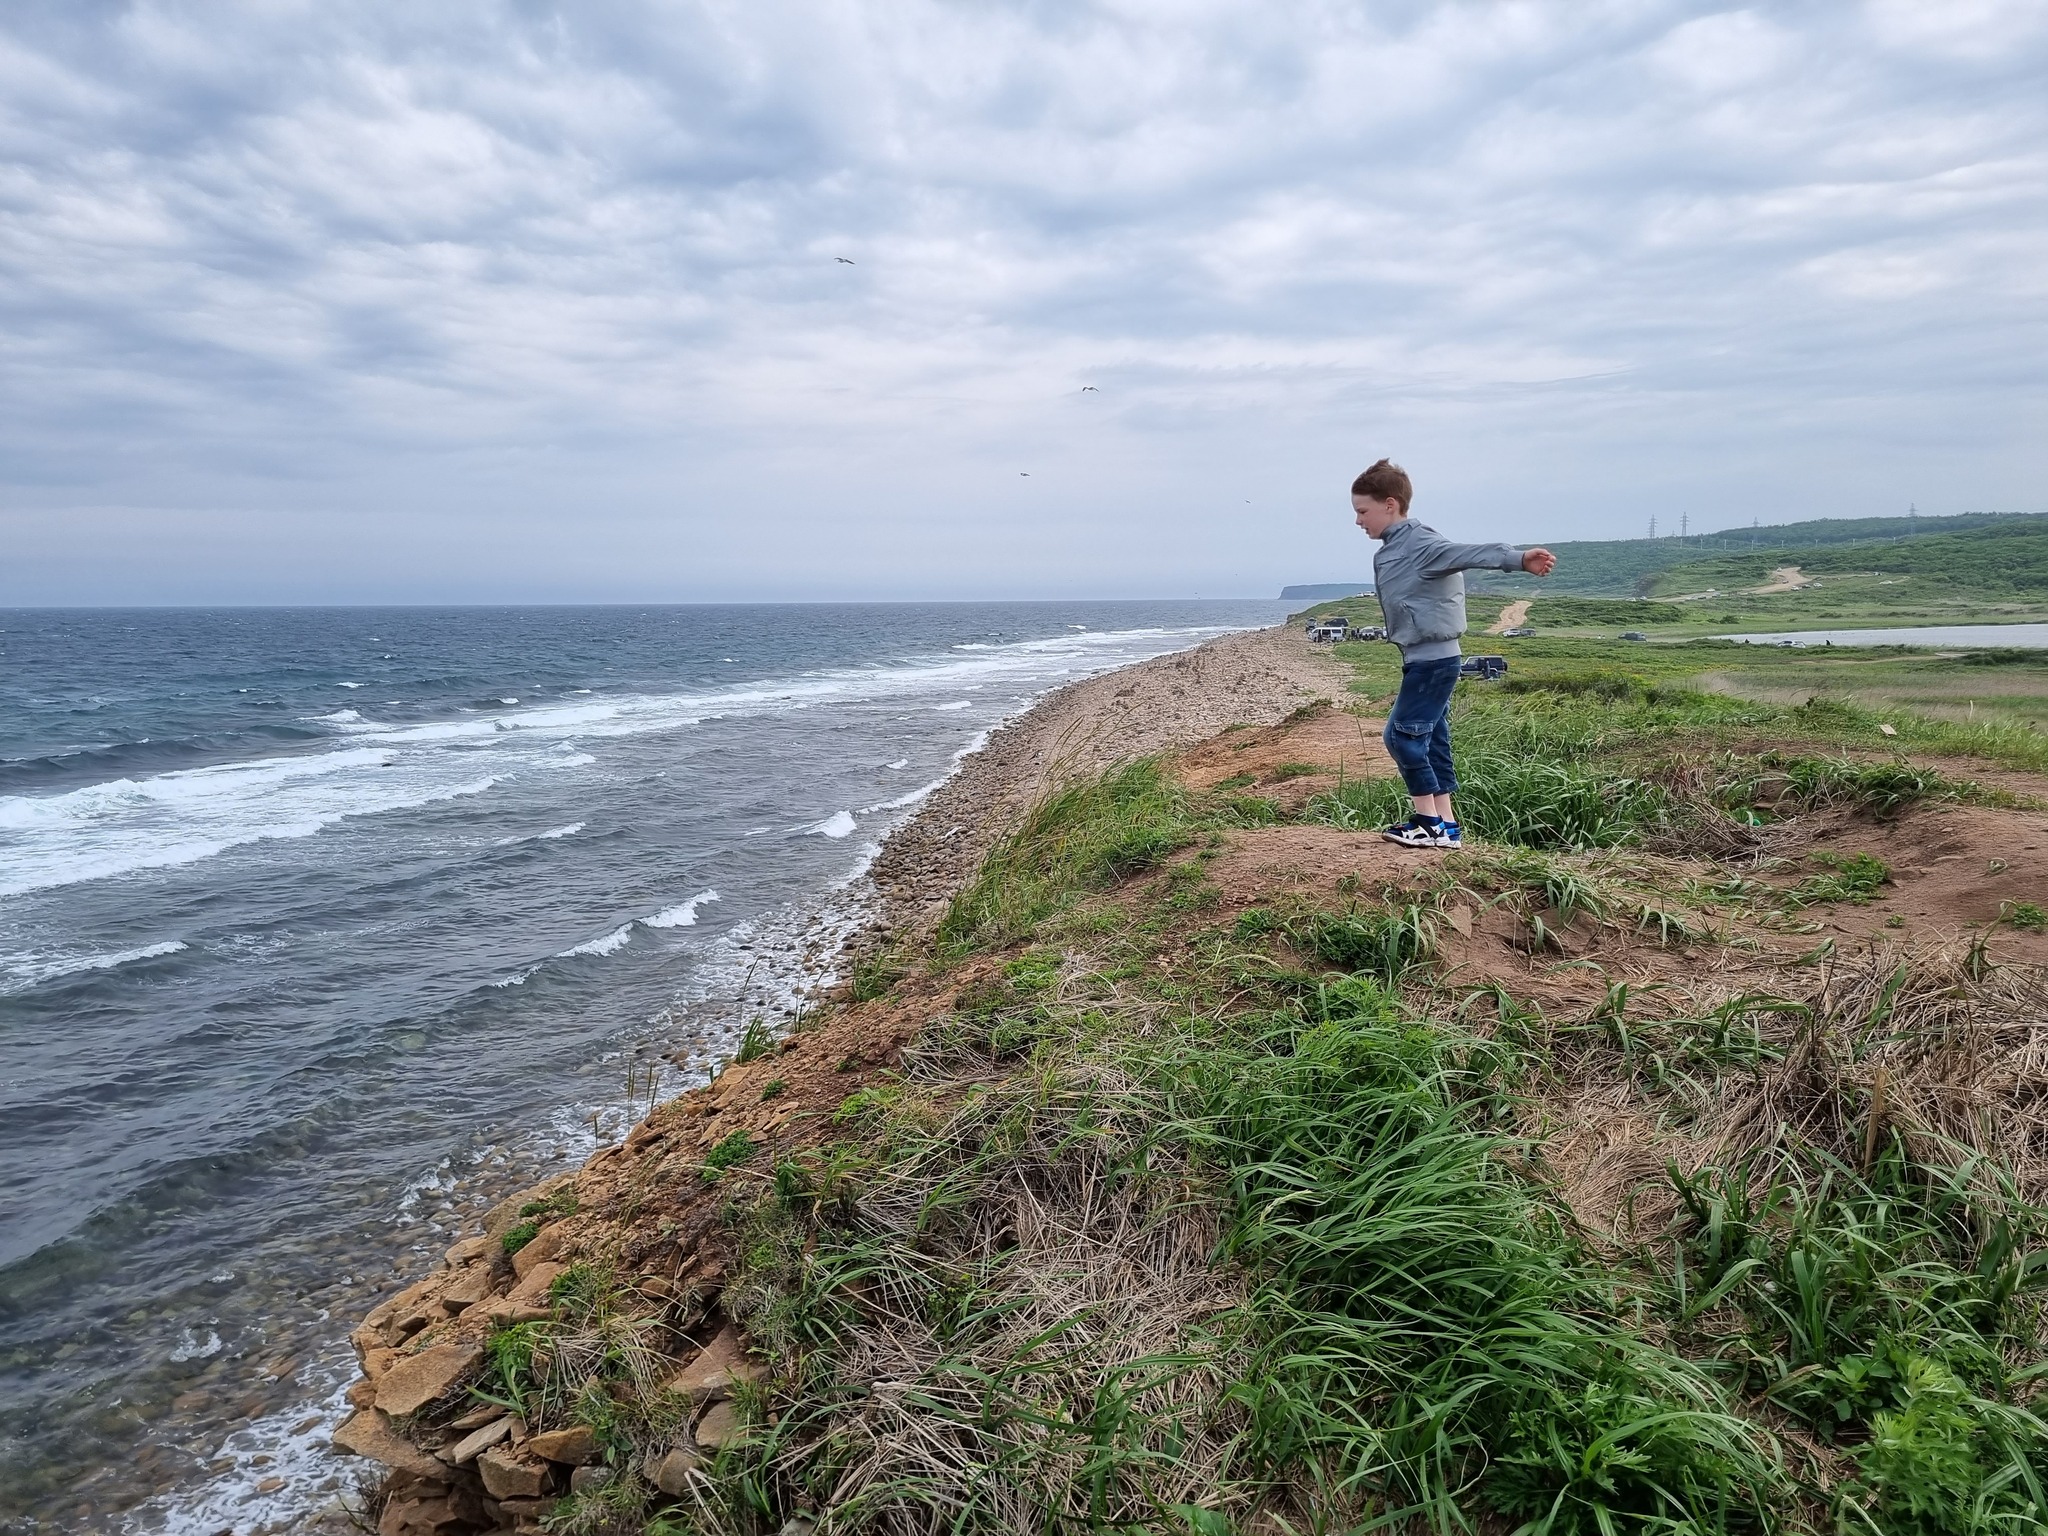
(518, 1237)
(729, 1153)
(1854, 879)
(2024, 915)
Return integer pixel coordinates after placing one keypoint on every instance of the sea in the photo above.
(322, 929)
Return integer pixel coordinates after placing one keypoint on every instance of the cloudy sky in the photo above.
(345, 300)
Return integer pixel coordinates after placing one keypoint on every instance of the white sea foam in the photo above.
(283, 1467)
(838, 824)
(569, 831)
(340, 717)
(610, 943)
(682, 915)
(904, 800)
(573, 760)
(350, 685)
(191, 1347)
(35, 968)
(125, 825)
(979, 741)
(901, 762)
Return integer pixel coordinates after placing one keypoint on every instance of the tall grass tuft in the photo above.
(1081, 837)
(1426, 1330)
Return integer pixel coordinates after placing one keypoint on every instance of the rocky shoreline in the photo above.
(643, 1214)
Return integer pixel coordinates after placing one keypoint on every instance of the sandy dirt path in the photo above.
(1170, 702)
(1514, 616)
(1785, 578)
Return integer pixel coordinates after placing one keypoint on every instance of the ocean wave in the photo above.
(609, 944)
(838, 824)
(569, 831)
(682, 915)
(902, 801)
(128, 825)
(956, 704)
(341, 717)
(35, 970)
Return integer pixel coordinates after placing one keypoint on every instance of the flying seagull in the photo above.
(1025, 473)
(1090, 389)
(847, 259)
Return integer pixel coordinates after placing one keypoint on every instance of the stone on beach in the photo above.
(417, 1380)
(572, 1446)
(368, 1433)
(719, 1426)
(717, 1366)
(672, 1473)
(479, 1441)
(508, 1474)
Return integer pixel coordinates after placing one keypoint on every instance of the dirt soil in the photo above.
(1784, 578)
(1514, 616)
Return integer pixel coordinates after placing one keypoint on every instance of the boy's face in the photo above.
(1376, 516)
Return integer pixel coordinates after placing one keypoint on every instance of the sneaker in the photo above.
(1447, 835)
(1414, 833)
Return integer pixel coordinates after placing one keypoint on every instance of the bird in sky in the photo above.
(1025, 473)
(1090, 389)
(847, 259)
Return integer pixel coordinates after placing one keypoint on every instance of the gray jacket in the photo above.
(1418, 574)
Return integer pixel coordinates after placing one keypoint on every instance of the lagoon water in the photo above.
(321, 928)
(2019, 636)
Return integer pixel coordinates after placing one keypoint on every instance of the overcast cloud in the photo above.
(362, 301)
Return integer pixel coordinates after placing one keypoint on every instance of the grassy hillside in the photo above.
(2009, 557)
(1627, 567)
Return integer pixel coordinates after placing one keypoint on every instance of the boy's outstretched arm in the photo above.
(1439, 556)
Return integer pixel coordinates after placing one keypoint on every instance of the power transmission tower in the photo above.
(1684, 524)
(1653, 526)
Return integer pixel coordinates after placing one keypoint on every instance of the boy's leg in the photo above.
(1417, 716)
(1440, 763)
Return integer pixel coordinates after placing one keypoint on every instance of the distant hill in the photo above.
(1325, 590)
(2008, 556)
(1633, 567)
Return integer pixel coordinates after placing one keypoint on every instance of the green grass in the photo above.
(1080, 838)
(1884, 1312)
(1580, 694)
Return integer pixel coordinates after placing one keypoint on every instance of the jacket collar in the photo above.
(1394, 528)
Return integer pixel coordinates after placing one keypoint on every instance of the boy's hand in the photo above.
(1538, 562)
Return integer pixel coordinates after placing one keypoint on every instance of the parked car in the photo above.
(1368, 632)
(1518, 633)
(1633, 634)
(1485, 668)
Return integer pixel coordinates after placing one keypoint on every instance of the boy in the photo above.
(1417, 573)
